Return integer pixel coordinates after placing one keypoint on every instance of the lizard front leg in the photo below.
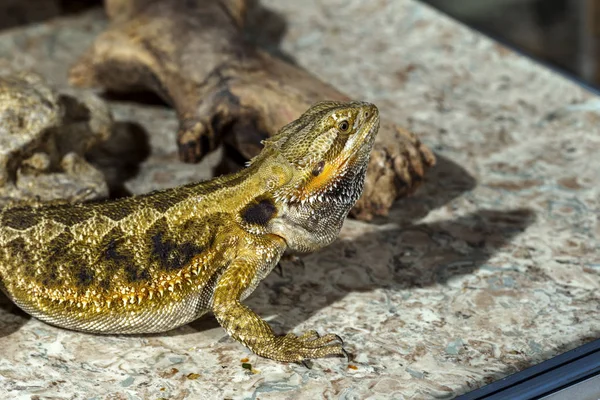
(245, 326)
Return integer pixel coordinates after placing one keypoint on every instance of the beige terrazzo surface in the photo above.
(491, 267)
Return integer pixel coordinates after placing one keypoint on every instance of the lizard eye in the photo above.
(343, 126)
(318, 168)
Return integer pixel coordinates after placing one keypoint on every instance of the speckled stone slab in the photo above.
(491, 267)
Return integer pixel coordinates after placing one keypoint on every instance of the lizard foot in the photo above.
(292, 348)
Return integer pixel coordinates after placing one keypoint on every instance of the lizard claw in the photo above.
(346, 354)
(305, 347)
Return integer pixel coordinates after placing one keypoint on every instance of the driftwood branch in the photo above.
(226, 91)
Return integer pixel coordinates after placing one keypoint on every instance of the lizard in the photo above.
(152, 262)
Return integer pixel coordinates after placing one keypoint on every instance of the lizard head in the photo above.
(327, 143)
(327, 151)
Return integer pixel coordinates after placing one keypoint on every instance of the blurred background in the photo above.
(564, 34)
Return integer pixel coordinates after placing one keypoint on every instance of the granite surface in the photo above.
(491, 267)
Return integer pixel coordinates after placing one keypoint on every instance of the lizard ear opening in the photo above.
(318, 168)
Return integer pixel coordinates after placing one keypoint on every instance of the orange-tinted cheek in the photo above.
(317, 183)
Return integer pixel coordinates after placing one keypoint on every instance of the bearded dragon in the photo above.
(153, 262)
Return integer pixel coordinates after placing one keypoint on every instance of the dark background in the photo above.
(564, 34)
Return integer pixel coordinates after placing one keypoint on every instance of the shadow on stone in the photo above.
(444, 182)
(120, 157)
(266, 29)
(12, 317)
(412, 256)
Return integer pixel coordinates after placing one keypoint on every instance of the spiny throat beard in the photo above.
(347, 188)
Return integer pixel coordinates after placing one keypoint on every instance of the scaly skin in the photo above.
(153, 262)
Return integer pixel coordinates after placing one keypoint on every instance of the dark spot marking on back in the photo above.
(260, 212)
(50, 276)
(161, 248)
(169, 254)
(85, 276)
(17, 247)
(115, 211)
(111, 252)
(115, 257)
(68, 215)
(18, 251)
(186, 252)
(58, 254)
(20, 218)
(135, 274)
(104, 284)
(162, 201)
